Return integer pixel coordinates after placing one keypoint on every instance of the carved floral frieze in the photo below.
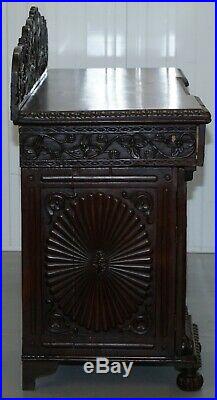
(65, 145)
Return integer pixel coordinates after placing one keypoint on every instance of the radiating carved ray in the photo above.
(131, 234)
(86, 217)
(131, 273)
(118, 302)
(113, 213)
(61, 287)
(138, 252)
(136, 241)
(63, 292)
(65, 295)
(62, 229)
(118, 220)
(107, 213)
(62, 271)
(97, 308)
(133, 257)
(82, 293)
(127, 228)
(96, 221)
(55, 252)
(85, 312)
(126, 277)
(76, 251)
(105, 312)
(70, 306)
(58, 281)
(68, 264)
(63, 239)
(140, 291)
(100, 216)
(58, 257)
(80, 230)
(92, 216)
(115, 310)
(107, 304)
(111, 305)
(130, 289)
(56, 242)
(131, 281)
(126, 295)
(90, 314)
(127, 222)
(129, 265)
(70, 248)
(70, 223)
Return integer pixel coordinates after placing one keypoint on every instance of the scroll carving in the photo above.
(65, 145)
(57, 322)
(142, 322)
(143, 202)
(56, 201)
(30, 59)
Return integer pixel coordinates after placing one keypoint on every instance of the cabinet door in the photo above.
(107, 274)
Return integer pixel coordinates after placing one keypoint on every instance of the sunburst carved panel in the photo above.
(98, 261)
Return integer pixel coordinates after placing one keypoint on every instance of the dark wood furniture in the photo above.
(105, 155)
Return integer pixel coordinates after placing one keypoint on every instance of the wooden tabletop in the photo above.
(147, 93)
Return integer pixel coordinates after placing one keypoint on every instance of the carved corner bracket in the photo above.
(141, 323)
(143, 202)
(106, 145)
(56, 201)
(56, 321)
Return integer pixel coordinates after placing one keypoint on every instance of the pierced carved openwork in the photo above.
(30, 59)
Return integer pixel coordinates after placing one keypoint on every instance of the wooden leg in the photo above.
(190, 380)
(34, 369)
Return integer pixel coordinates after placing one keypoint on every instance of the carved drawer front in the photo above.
(110, 145)
(105, 268)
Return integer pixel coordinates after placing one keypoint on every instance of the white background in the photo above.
(119, 34)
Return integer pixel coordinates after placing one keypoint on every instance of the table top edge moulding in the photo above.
(105, 156)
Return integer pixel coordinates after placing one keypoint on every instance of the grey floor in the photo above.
(71, 382)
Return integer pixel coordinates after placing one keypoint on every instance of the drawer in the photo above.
(111, 145)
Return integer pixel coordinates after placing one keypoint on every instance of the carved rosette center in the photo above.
(99, 262)
(105, 145)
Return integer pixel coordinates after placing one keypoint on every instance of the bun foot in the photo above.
(190, 381)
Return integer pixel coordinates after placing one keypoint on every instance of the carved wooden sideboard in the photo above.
(105, 155)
